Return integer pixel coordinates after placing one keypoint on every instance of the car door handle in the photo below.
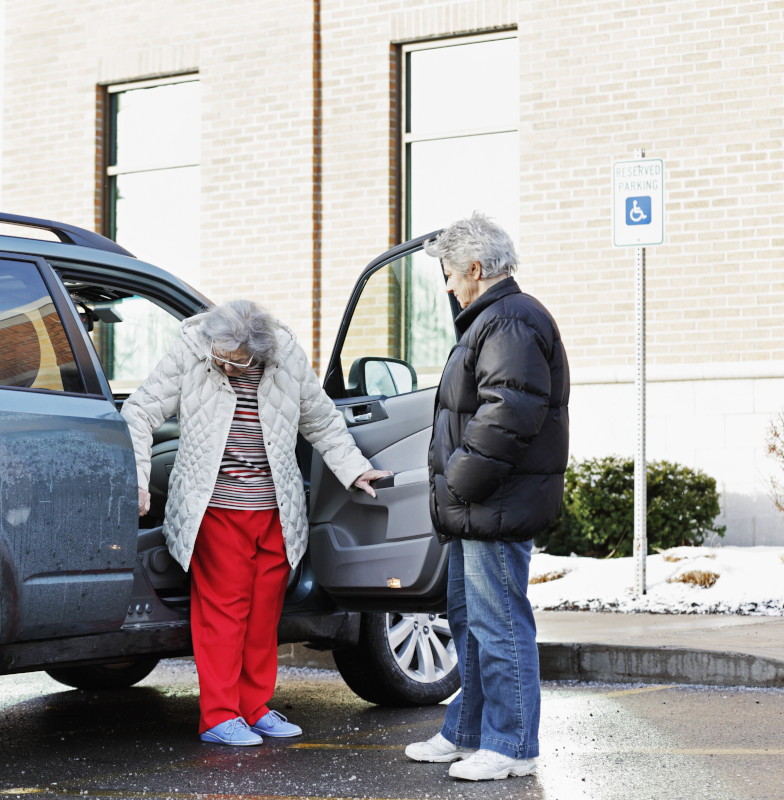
(407, 477)
(362, 413)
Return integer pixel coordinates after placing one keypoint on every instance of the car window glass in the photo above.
(130, 335)
(34, 349)
(401, 329)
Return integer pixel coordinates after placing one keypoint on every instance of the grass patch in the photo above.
(548, 576)
(696, 577)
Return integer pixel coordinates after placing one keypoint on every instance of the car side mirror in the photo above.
(381, 376)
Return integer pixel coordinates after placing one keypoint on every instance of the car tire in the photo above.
(401, 659)
(104, 676)
(9, 602)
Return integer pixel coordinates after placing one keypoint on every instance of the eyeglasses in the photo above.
(222, 360)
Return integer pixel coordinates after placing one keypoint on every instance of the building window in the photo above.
(460, 131)
(153, 171)
(460, 153)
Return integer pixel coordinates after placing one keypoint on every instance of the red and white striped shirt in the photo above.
(244, 479)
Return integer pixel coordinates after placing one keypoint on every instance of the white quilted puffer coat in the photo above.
(187, 383)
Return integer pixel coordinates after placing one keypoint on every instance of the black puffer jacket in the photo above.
(501, 431)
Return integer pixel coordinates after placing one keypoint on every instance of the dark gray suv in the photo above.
(95, 600)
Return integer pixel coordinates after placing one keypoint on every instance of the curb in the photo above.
(605, 663)
(627, 664)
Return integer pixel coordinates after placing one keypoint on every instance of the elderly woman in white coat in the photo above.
(235, 516)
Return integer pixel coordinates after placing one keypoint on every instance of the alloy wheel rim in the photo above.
(422, 645)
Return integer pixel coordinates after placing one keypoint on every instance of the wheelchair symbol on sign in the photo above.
(636, 214)
(638, 210)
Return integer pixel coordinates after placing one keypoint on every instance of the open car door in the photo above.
(397, 332)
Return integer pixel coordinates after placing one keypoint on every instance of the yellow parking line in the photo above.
(347, 746)
(122, 795)
(709, 751)
(664, 751)
(682, 751)
(641, 690)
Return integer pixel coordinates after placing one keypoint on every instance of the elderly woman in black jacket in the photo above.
(497, 460)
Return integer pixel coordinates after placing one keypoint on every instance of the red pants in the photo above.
(239, 572)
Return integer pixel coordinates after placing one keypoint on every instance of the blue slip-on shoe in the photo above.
(235, 732)
(275, 725)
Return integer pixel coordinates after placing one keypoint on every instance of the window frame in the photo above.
(334, 384)
(111, 170)
(166, 297)
(73, 328)
(407, 139)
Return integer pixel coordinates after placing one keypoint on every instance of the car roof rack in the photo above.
(68, 234)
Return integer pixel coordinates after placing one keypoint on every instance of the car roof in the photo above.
(84, 251)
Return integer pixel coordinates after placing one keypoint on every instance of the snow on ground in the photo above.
(747, 580)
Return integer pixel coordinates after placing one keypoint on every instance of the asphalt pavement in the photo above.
(598, 742)
(699, 649)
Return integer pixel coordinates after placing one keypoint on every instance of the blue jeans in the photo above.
(495, 638)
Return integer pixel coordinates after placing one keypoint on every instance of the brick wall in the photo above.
(699, 85)
(255, 67)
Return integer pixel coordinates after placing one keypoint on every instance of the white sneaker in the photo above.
(438, 749)
(487, 765)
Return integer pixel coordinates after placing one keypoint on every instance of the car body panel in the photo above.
(67, 513)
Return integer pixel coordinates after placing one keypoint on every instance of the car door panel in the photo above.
(382, 548)
(67, 505)
(67, 472)
(392, 420)
(382, 553)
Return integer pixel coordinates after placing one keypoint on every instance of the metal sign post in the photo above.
(640, 464)
(638, 220)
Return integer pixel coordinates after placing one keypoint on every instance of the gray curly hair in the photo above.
(477, 238)
(241, 325)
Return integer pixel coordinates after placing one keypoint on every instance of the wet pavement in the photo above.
(599, 742)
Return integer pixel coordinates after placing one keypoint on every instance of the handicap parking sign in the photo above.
(638, 210)
(638, 202)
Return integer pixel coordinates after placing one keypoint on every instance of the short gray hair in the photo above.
(477, 238)
(241, 325)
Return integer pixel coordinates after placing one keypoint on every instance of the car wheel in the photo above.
(104, 676)
(401, 659)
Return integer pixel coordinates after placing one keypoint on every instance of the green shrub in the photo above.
(597, 518)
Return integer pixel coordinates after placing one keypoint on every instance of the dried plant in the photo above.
(674, 558)
(549, 576)
(774, 443)
(696, 577)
